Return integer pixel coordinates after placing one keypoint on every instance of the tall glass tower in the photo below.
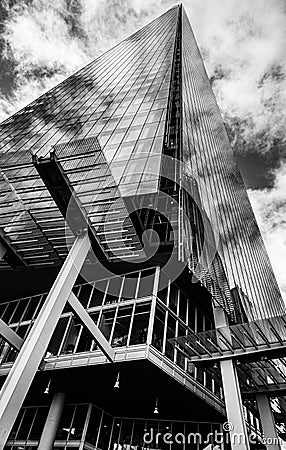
(130, 151)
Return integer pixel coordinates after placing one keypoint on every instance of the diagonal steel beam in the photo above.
(87, 321)
(19, 380)
(10, 336)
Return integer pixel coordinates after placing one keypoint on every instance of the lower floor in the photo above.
(88, 426)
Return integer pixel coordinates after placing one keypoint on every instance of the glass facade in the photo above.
(87, 426)
(206, 150)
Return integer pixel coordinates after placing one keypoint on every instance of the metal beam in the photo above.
(10, 336)
(19, 380)
(87, 321)
(232, 396)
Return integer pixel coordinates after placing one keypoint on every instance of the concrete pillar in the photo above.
(267, 421)
(52, 423)
(233, 402)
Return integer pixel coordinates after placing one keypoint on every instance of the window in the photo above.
(191, 315)
(133, 171)
(84, 294)
(106, 324)
(132, 134)
(105, 431)
(113, 290)
(183, 306)
(155, 116)
(57, 337)
(116, 137)
(148, 131)
(142, 148)
(93, 425)
(173, 298)
(171, 333)
(124, 151)
(159, 326)
(71, 339)
(140, 324)
(146, 283)
(122, 326)
(98, 293)
(85, 340)
(129, 286)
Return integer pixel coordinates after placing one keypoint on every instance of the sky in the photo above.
(243, 45)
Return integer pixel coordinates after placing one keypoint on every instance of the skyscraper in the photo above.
(123, 177)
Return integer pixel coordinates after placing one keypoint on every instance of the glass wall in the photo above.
(120, 306)
(87, 425)
(178, 314)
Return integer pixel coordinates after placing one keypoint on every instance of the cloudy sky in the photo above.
(243, 43)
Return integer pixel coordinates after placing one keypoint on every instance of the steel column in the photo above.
(232, 395)
(268, 422)
(52, 423)
(21, 375)
(10, 336)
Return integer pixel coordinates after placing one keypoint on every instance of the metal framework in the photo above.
(33, 350)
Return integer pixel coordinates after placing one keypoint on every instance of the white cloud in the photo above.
(270, 209)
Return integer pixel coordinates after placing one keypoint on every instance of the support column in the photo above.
(21, 375)
(267, 421)
(52, 423)
(232, 395)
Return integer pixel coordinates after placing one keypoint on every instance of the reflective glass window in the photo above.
(106, 324)
(122, 325)
(140, 324)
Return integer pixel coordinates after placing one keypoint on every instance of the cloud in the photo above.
(270, 210)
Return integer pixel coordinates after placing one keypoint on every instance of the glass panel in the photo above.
(138, 434)
(129, 286)
(57, 337)
(122, 325)
(105, 431)
(84, 294)
(140, 324)
(106, 324)
(183, 306)
(200, 321)
(19, 310)
(191, 315)
(26, 423)
(159, 326)
(70, 342)
(113, 290)
(171, 330)
(126, 431)
(146, 283)
(39, 422)
(78, 422)
(173, 299)
(93, 426)
(98, 293)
